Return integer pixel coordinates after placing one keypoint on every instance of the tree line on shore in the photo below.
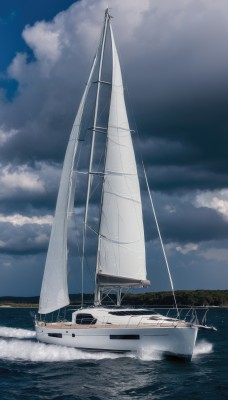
(184, 298)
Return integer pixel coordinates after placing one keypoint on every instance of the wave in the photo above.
(202, 347)
(149, 355)
(16, 333)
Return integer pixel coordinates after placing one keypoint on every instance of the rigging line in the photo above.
(107, 83)
(80, 256)
(97, 173)
(86, 261)
(106, 294)
(95, 188)
(82, 264)
(106, 173)
(162, 245)
(125, 294)
(98, 127)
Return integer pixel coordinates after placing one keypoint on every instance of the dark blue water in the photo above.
(31, 370)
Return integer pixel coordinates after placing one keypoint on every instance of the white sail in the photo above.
(121, 255)
(54, 291)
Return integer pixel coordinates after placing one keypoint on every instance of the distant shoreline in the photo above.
(18, 306)
(184, 298)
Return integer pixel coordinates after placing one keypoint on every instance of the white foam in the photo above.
(40, 352)
(16, 333)
(202, 347)
(28, 350)
(149, 355)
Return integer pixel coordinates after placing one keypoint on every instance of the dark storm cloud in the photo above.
(27, 202)
(28, 188)
(192, 224)
(185, 178)
(194, 142)
(45, 136)
(26, 239)
(183, 223)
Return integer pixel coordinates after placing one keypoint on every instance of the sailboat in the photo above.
(119, 236)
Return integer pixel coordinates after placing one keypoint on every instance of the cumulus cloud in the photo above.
(20, 220)
(217, 200)
(187, 248)
(216, 254)
(20, 177)
(44, 39)
(18, 68)
(6, 135)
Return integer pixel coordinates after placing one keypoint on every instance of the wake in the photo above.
(16, 333)
(40, 352)
(19, 347)
(27, 350)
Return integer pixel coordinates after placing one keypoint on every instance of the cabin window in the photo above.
(58, 335)
(85, 319)
(127, 337)
(73, 334)
(132, 312)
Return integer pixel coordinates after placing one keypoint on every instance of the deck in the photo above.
(155, 324)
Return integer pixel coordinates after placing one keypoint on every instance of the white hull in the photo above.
(174, 340)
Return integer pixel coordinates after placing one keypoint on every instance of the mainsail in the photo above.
(121, 250)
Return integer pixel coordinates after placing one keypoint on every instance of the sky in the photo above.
(174, 56)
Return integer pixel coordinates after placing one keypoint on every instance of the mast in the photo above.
(94, 128)
(97, 294)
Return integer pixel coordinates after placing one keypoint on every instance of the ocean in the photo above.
(32, 370)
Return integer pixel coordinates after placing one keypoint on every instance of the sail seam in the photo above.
(120, 173)
(123, 197)
(118, 241)
(122, 128)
